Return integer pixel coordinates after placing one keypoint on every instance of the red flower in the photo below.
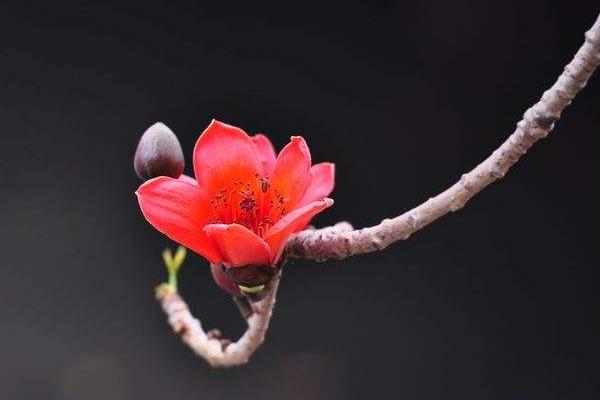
(244, 203)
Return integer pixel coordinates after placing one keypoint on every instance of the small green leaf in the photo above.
(179, 257)
(173, 263)
(168, 258)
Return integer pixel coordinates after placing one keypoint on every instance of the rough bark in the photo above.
(216, 350)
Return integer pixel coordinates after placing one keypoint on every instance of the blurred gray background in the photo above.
(499, 301)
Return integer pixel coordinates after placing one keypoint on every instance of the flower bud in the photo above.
(158, 153)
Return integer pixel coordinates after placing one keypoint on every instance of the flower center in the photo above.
(254, 204)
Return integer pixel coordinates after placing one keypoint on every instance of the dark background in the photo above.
(499, 301)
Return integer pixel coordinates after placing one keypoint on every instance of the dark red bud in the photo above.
(158, 153)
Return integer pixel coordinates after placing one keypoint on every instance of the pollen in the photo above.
(264, 184)
(248, 203)
(253, 204)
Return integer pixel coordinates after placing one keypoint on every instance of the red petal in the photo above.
(187, 179)
(320, 183)
(180, 211)
(279, 233)
(239, 245)
(266, 153)
(290, 175)
(223, 281)
(225, 154)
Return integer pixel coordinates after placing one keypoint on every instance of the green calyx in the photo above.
(251, 290)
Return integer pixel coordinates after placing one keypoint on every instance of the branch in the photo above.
(341, 240)
(537, 122)
(211, 346)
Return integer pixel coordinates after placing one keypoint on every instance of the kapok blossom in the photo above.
(244, 203)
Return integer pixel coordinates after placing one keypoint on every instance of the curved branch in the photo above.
(211, 346)
(341, 240)
(537, 122)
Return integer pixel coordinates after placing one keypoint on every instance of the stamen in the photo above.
(253, 204)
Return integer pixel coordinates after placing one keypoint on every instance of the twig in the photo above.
(211, 346)
(537, 122)
(341, 240)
